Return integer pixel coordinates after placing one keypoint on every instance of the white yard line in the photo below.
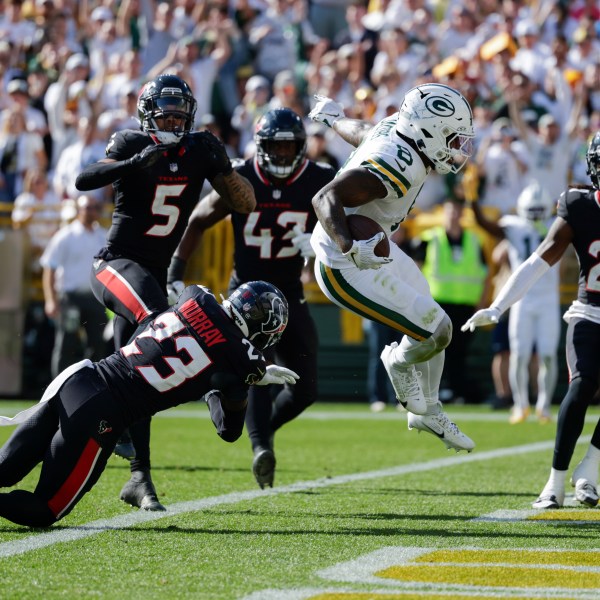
(69, 534)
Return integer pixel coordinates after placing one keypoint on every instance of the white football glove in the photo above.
(326, 111)
(486, 316)
(301, 241)
(174, 290)
(278, 375)
(363, 256)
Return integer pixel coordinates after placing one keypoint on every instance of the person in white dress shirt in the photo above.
(68, 298)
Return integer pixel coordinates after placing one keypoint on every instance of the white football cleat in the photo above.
(442, 427)
(549, 499)
(586, 493)
(405, 382)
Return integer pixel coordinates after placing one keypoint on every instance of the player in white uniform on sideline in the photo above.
(381, 180)
(535, 319)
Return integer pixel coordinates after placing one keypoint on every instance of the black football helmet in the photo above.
(163, 96)
(592, 158)
(280, 125)
(260, 310)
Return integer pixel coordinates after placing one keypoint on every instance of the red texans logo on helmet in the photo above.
(104, 427)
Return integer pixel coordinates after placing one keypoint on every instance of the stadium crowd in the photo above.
(71, 73)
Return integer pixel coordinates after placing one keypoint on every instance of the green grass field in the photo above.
(362, 509)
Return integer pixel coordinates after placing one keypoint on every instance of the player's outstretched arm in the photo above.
(330, 113)
(107, 170)
(520, 282)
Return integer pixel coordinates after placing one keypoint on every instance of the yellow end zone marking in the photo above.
(518, 572)
(496, 576)
(584, 515)
(519, 557)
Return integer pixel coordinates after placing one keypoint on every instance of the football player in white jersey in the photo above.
(381, 180)
(535, 319)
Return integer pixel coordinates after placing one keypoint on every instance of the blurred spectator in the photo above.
(502, 166)
(455, 32)
(37, 210)
(548, 148)
(127, 72)
(197, 61)
(278, 39)
(67, 260)
(18, 99)
(20, 151)
(591, 83)
(395, 55)
(87, 148)
(122, 117)
(14, 27)
(532, 55)
(159, 35)
(105, 45)
(316, 149)
(586, 127)
(585, 50)
(65, 101)
(254, 105)
(286, 93)
(355, 32)
(328, 17)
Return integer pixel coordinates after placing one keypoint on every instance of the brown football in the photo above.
(364, 228)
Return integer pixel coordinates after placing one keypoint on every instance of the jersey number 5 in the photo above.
(161, 207)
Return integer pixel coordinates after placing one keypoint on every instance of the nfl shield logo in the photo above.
(174, 168)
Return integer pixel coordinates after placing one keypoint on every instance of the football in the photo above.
(364, 228)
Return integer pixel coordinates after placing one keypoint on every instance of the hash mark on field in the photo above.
(70, 534)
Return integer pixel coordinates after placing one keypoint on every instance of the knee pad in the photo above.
(417, 352)
(442, 336)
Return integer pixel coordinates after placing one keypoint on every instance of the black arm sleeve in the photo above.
(99, 174)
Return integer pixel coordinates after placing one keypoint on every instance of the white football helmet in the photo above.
(440, 121)
(534, 203)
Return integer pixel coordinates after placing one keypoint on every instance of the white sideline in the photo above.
(69, 534)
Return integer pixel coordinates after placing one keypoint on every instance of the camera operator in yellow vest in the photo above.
(453, 261)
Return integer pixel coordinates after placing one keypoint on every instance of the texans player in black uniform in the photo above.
(157, 175)
(272, 243)
(198, 348)
(577, 224)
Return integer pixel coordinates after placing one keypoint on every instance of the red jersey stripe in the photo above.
(118, 286)
(76, 480)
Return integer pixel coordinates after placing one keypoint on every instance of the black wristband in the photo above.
(176, 269)
(100, 174)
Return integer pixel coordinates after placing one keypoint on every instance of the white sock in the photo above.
(431, 375)
(556, 482)
(588, 467)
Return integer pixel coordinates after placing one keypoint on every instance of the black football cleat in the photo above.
(140, 491)
(263, 467)
(125, 448)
